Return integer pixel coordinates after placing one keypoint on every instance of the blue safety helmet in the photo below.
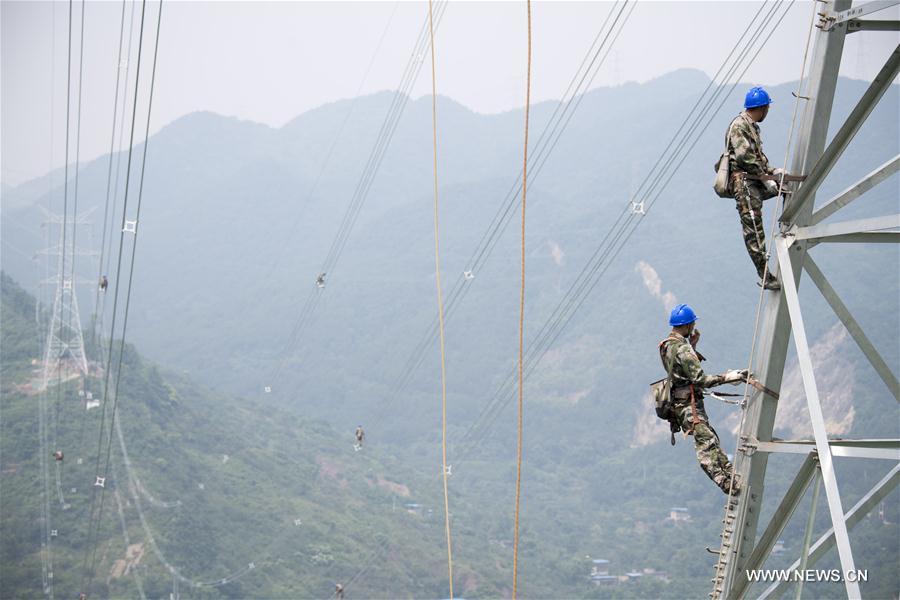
(757, 96)
(682, 315)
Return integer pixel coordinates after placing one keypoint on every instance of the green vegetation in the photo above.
(584, 499)
(278, 468)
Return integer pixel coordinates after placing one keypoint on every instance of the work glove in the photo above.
(779, 172)
(772, 187)
(734, 376)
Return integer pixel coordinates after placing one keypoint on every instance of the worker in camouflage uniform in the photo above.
(678, 353)
(747, 160)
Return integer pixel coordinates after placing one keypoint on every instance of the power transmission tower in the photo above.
(803, 226)
(64, 349)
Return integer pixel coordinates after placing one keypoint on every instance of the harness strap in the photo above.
(786, 176)
(694, 418)
(726, 400)
(663, 353)
(758, 146)
(759, 154)
(756, 384)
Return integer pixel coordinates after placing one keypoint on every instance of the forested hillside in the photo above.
(221, 483)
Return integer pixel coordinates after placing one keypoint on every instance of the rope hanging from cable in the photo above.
(522, 320)
(440, 303)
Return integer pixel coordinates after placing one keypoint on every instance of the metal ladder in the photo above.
(730, 547)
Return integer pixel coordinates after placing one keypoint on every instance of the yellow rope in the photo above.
(522, 319)
(437, 270)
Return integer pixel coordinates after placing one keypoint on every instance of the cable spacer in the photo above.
(637, 208)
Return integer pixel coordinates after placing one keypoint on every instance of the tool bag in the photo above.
(661, 390)
(722, 183)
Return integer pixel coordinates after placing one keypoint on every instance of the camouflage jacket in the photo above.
(745, 147)
(686, 369)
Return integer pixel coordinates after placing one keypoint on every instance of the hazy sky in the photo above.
(270, 61)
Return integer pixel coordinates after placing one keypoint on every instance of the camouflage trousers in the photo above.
(710, 455)
(749, 196)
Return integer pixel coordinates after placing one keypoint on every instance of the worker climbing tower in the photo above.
(64, 349)
(803, 226)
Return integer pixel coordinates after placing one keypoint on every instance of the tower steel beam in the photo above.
(789, 503)
(862, 449)
(79, 280)
(56, 251)
(782, 319)
(862, 230)
(856, 332)
(56, 219)
(847, 131)
(807, 537)
(866, 8)
(854, 516)
(775, 332)
(855, 25)
(817, 417)
(856, 190)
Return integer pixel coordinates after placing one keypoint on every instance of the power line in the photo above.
(78, 136)
(578, 288)
(594, 53)
(115, 187)
(376, 156)
(311, 302)
(90, 574)
(112, 148)
(46, 553)
(388, 129)
(62, 250)
(98, 310)
(596, 267)
(137, 216)
(337, 137)
(552, 132)
(65, 387)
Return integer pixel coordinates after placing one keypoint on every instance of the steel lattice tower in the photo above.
(801, 228)
(64, 349)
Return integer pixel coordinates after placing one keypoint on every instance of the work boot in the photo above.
(770, 283)
(734, 489)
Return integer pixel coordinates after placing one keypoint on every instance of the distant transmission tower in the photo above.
(64, 349)
(803, 226)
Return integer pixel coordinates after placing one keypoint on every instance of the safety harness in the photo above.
(676, 392)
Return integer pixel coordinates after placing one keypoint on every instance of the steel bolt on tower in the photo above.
(802, 228)
(65, 340)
